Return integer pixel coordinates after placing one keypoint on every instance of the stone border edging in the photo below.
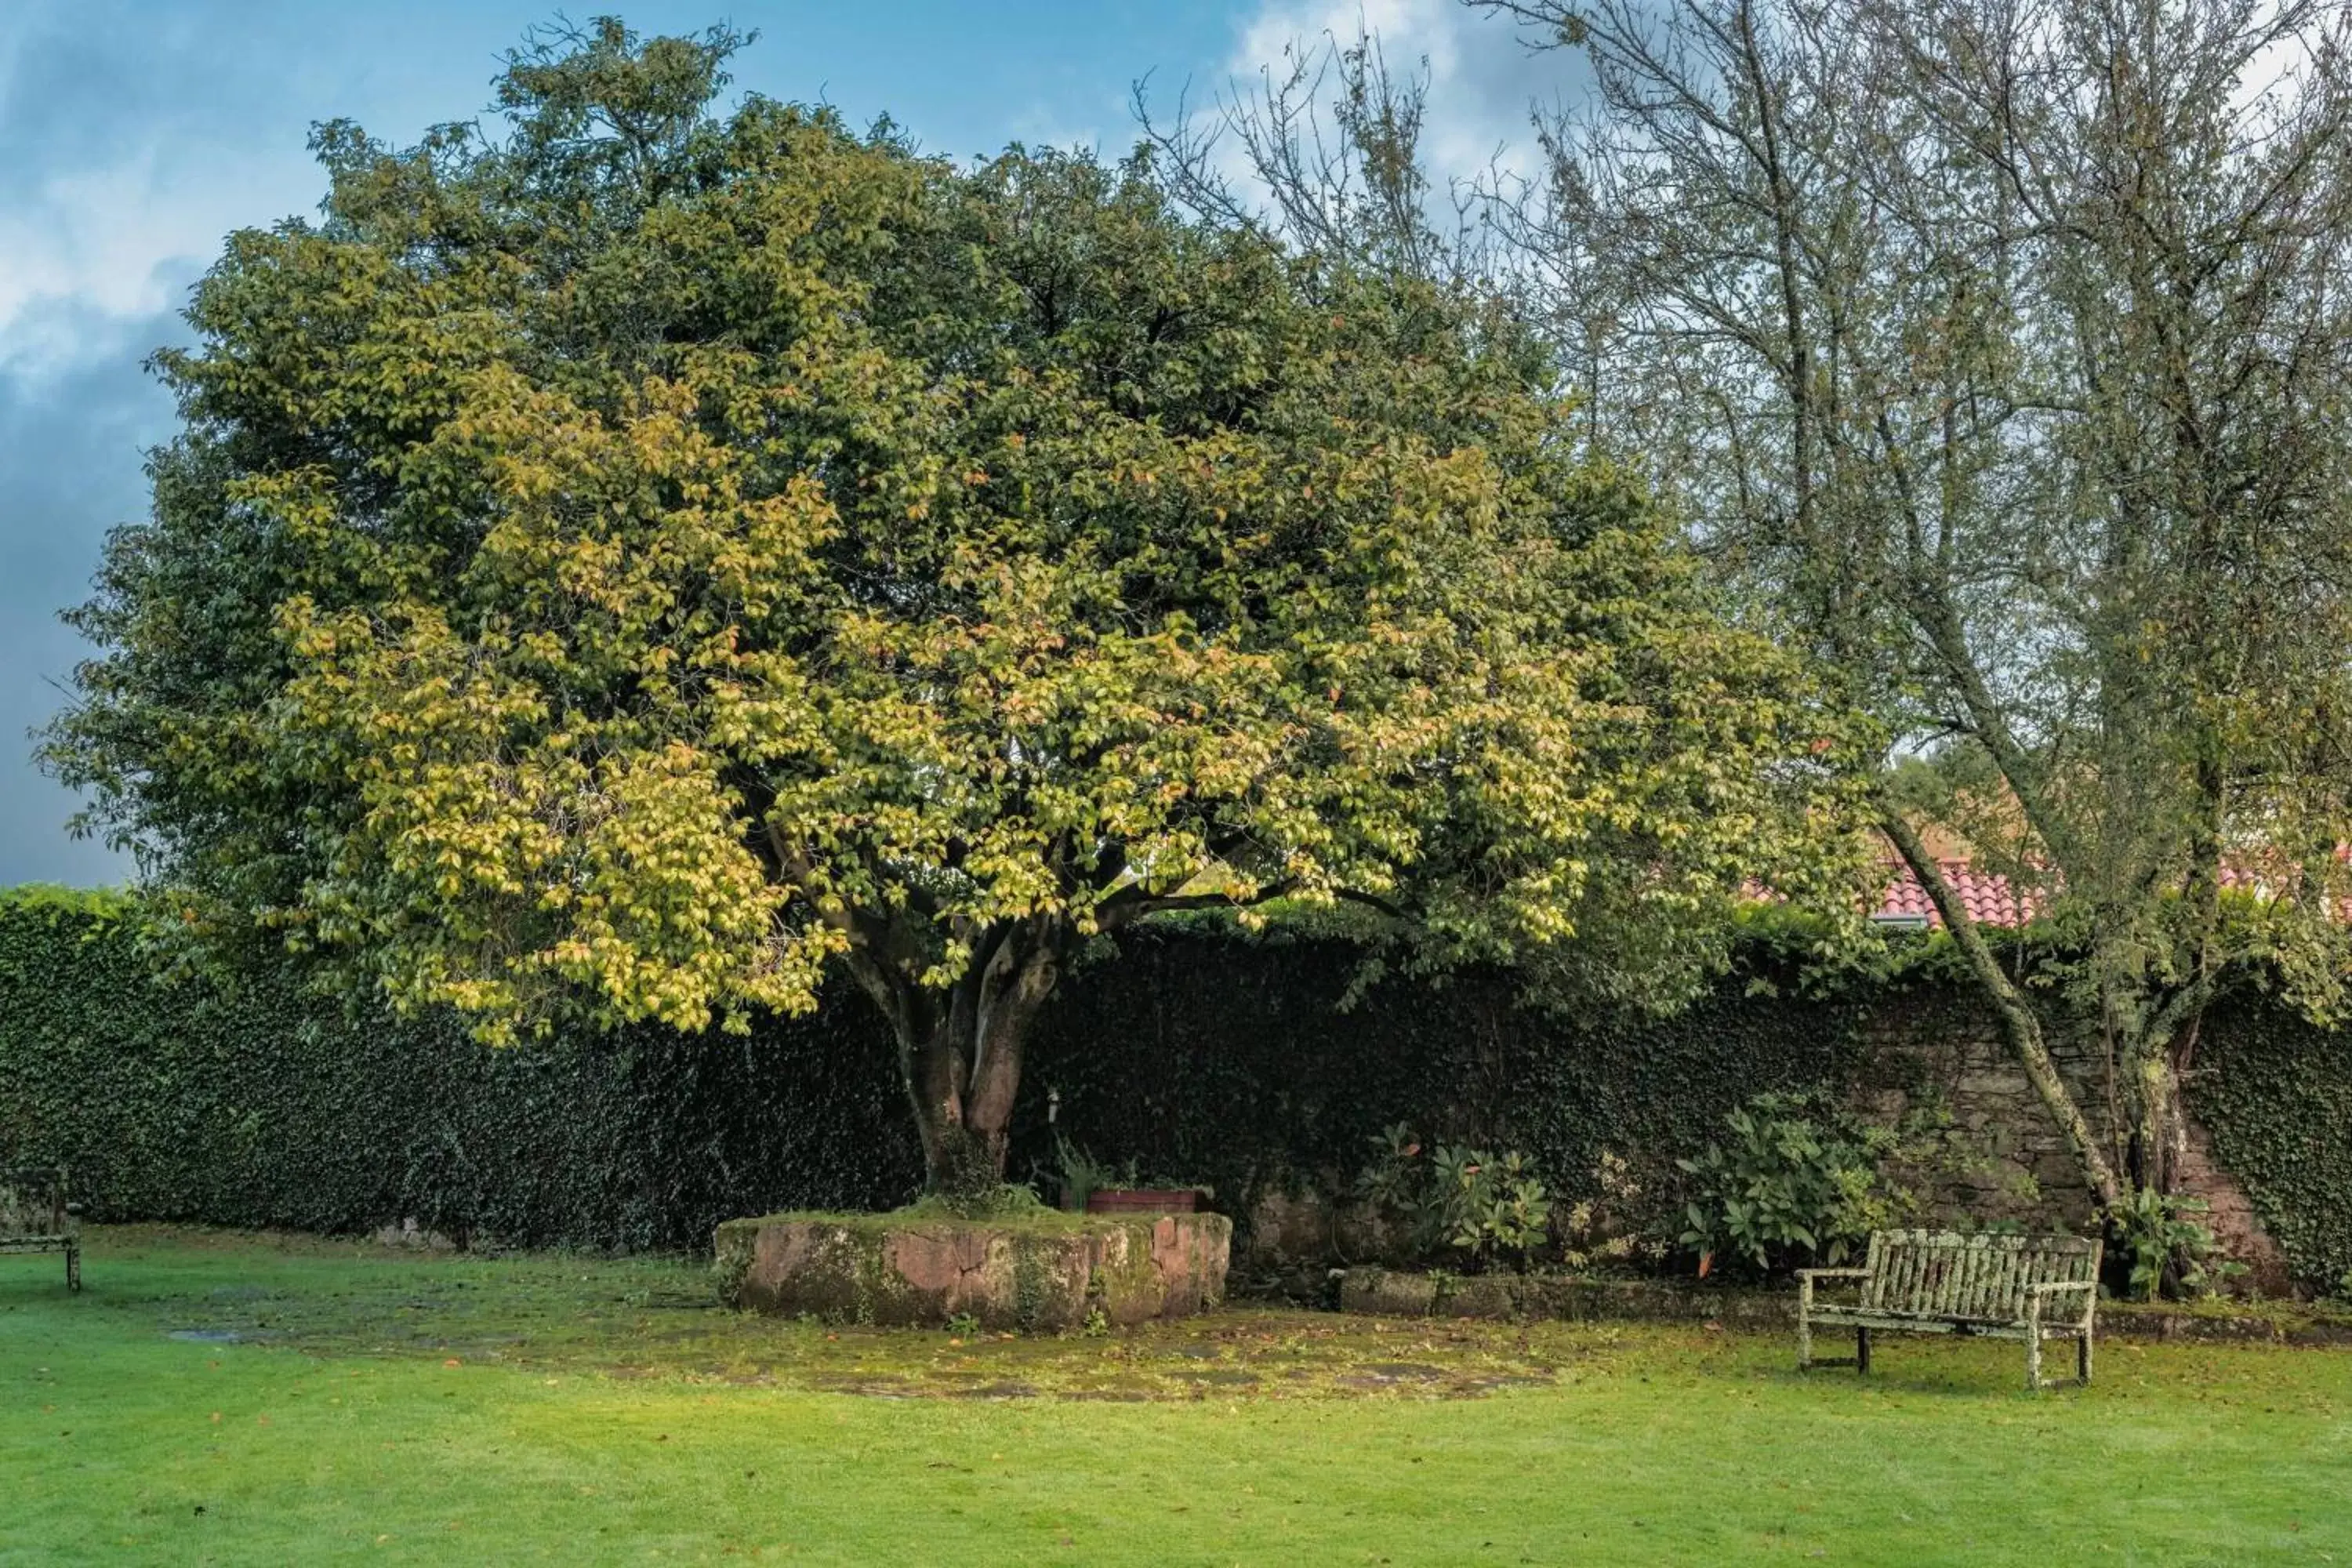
(1401, 1293)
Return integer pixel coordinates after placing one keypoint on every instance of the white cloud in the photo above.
(1483, 81)
(138, 143)
(123, 240)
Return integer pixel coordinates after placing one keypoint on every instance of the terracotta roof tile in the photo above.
(1990, 899)
(1987, 896)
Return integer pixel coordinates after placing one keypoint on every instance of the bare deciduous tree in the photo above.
(2000, 349)
(1325, 149)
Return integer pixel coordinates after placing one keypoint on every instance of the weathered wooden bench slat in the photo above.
(37, 1215)
(2004, 1272)
(1974, 1276)
(1939, 1282)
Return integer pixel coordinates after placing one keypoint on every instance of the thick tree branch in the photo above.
(2018, 1025)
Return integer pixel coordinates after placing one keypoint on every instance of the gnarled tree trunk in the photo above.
(959, 1048)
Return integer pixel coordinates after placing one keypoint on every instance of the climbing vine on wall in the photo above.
(2275, 1094)
(1196, 1051)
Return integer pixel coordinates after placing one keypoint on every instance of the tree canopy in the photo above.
(619, 567)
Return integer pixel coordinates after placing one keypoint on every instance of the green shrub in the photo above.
(1489, 1206)
(2171, 1253)
(1484, 1206)
(1606, 1229)
(1797, 1181)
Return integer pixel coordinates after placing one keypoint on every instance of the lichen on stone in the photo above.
(1029, 1269)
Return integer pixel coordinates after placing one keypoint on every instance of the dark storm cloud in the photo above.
(70, 448)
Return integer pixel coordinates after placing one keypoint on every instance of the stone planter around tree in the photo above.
(1143, 1200)
(1045, 1270)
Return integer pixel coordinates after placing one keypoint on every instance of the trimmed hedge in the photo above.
(263, 1107)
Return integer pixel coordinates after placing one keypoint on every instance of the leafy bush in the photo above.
(1606, 1228)
(2171, 1253)
(1489, 1204)
(1483, 1205)
(1798, 1181)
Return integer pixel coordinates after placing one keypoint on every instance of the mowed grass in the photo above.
(250, 1399)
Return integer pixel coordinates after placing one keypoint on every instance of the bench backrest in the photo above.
(1981, 1278)
(33, 1202)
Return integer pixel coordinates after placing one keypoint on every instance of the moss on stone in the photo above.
(1030, 1268)
(1032, 1217)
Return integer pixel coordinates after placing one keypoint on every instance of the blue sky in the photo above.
(135, 133)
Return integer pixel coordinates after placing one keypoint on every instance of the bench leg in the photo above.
(1862, 1352)
(2034, 1356)
(2083, 1359)
(1804, 1340)
(73, 1268)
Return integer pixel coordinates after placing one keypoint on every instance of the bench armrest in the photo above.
(2037, 1295)
(1806, 1277)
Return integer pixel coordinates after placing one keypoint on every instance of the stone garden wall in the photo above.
(1192, 1055)
(1947, 1050)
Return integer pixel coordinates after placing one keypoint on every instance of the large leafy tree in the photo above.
(619, 569)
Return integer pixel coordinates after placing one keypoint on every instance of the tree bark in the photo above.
(961, 1049)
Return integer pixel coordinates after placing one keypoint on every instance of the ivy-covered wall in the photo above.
(1210, 1055)
(1199, 1054)
(2274, 1094)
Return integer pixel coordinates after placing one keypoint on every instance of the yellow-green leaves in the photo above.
(626, 588)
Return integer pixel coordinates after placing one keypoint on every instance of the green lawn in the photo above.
(241, 1399)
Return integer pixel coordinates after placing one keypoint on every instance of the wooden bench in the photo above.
(36, 1215)
(2030, 1287)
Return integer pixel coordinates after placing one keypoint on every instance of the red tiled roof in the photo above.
(1991, 901)
(1987, 896)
